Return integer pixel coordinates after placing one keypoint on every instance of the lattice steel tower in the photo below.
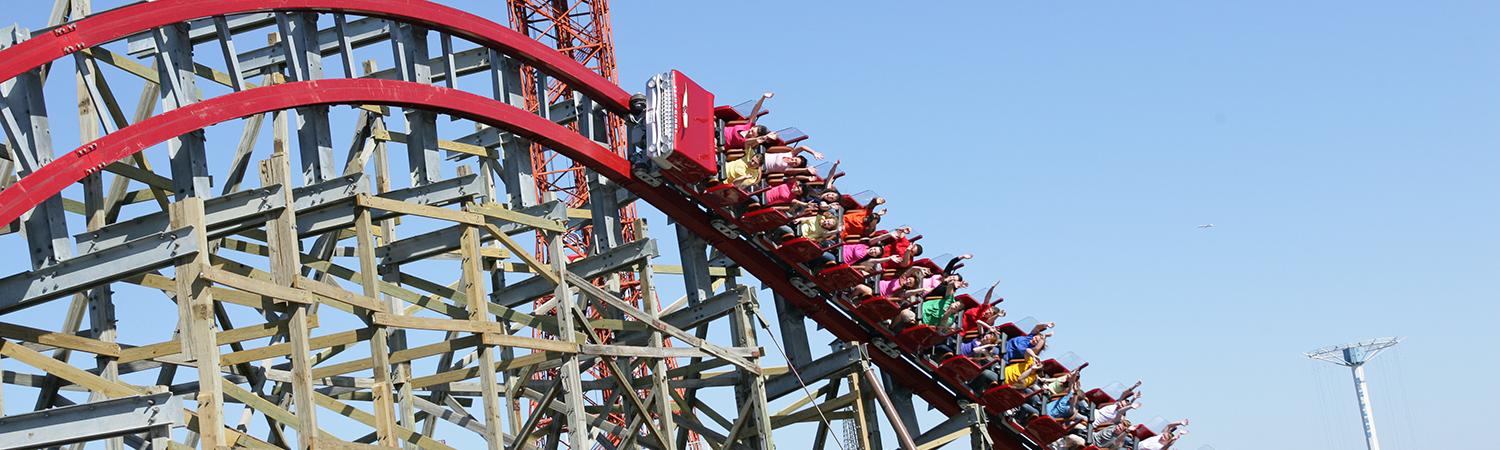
(1354, 356)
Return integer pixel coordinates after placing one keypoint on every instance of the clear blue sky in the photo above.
(1347, 152)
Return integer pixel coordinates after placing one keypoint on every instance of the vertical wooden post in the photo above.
(101, 304)
(752, 387)
(381, 391)
(572, 383)
(395, 340)
(473, 282)
(195, 304)
(859, 411)
(662, 407)
(285, 254)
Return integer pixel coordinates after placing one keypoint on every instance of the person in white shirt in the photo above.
(1114, 413)
(1168, 436)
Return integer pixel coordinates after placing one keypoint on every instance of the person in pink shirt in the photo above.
(790, 161)
(740, 139)
(898, 288)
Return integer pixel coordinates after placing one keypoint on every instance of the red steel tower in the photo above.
(581, 30)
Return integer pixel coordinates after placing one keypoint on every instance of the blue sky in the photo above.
(1346, 151)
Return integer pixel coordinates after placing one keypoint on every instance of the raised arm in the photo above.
(1039, 328)
(808, 150)
(755, 112)
(956, 263)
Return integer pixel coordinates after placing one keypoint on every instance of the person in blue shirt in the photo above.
(1020, 347)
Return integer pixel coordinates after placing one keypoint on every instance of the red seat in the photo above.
(925, 262)
(727, 113)
(731, 116)
(838, 278)
(967, 300)
(877, 308)
(761, 220)
(1053, 368)
(724, 194)
(1011, 330)
(1142, 433)
(960, 368)
(999, 399)
(798, 250)
(1098, 397)
(1046, 430)
(918, 337)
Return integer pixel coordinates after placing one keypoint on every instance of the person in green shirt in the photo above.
(942, 312)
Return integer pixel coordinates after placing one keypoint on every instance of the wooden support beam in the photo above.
(285, 252)
(474, 289)
(258, 287)
(195, 306)
(382, 389)
(593, 291)
(422, 441)
(498, 212)
(331, 292)
(284, 349)
(63, 370)
(454, 146)
(59, 340)
(225, 337)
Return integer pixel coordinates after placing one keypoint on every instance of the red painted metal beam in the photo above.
(72, 167)
(125, 21)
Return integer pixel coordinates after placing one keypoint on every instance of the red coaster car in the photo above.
(724, 194)
(1148, 429)
(1046, 430)
(1105, 395)
(680, 128)
(798, 250)
(999, 399)
(876, 309)
(762, 220)
(838, 278)
(961, 368)
(918, 337)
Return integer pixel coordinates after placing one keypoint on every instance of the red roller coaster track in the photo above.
(120, 23)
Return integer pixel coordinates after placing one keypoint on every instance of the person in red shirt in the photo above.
(902, 245)
(859, 223)
(979, 319)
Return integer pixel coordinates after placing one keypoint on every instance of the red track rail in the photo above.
(119, 23)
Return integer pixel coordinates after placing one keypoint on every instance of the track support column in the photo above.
(285, 253)
(572, 381)
(195, 304)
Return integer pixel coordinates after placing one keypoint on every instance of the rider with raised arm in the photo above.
(790, 162)
(1168, 436)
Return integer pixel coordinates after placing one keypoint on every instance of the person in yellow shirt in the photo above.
(744, 172)
(1022, 375)
(819, 228)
